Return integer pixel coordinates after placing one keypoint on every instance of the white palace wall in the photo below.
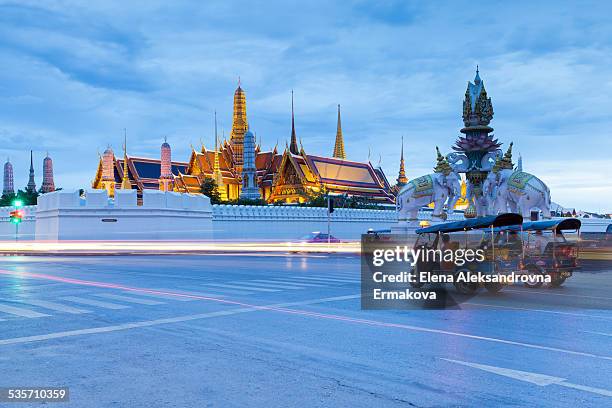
(63, 215)
(26, 228)
(292, 222)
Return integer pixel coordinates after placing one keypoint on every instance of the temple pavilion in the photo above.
(290, 176)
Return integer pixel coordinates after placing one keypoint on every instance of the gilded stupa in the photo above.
(288, 176)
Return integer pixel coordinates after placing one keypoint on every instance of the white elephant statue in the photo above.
(516, 191)
(434, 188)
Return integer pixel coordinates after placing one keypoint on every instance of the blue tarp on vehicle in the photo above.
(494, 221)
(558, 225)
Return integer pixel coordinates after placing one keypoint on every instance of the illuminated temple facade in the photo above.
(288, 176)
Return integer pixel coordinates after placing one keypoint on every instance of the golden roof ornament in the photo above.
(339, 145)
(442, 165)
(402, 180)
(505, 162)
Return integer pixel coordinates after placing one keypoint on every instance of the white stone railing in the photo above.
(124, 200)
(223, 212)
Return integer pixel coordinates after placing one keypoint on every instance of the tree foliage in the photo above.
(26, 197)
(209, 189)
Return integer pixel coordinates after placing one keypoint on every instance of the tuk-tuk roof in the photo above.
(500, 220)
(558, 225)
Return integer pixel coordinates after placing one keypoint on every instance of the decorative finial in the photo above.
(505, 162)
(442, 165)
(339, 144)
(401, 178)
(293, 148)
(124, 141)
(238, 81)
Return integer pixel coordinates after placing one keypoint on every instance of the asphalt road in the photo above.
(287, 330)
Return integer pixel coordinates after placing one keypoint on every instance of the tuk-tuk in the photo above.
(502, 255)
(547, 251)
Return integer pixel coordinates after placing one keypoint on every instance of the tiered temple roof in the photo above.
(290, 176)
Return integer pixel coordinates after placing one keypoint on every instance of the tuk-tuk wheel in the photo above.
(494, 287)
(465, 288)
(534, 270)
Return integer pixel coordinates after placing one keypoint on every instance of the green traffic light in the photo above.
(17, 203)
(16, 220)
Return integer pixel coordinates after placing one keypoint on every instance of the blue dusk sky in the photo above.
(74, 74)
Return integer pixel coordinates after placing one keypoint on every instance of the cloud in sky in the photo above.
(74, 74)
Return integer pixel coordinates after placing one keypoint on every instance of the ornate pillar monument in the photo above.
(108, 171)
(476, 151)
(8, 187)
(250, 190)
(166, 179)
(48, 184)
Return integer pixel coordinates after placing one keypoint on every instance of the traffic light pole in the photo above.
(330, 210)
(328, 224)
(16, 232)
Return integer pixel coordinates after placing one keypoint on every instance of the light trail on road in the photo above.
(299, 312)
(173, 247)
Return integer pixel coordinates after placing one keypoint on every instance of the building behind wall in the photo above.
(290, 175)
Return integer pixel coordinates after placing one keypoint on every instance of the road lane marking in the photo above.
(537, 310)
(600, 333)
(160, 296)
(54, 306)
(326, 279)
(224, 291)
(221, 285)
(129, 299)
(291, 282)
(268, 285)
(179, 319)
(18, 311)
(529, 291)
(538, 379)
(91, 302)
(207, 294)
(348, 319)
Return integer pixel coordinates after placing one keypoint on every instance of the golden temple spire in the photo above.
(401, 178)
(216, 165)
(239, 125)
(293, 148)
(125, 182)
(339, 145)
(220, 186)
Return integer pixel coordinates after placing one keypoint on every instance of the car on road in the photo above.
(318, 237)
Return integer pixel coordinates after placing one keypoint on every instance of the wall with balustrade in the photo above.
(293, 222)
(173, 216)
(64, 215)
